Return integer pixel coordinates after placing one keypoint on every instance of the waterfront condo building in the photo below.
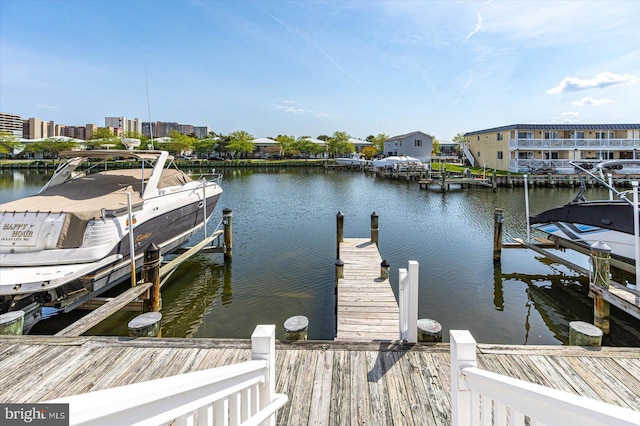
(124, 123)
(11, 123)
(539, 148)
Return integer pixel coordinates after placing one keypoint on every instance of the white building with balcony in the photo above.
(551, 148)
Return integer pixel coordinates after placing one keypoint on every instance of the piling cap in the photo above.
(601, 247)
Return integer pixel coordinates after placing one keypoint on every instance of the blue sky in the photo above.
(311, 68)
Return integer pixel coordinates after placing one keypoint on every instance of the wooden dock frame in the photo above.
(609, 292)
(366, 308)
(130, 300)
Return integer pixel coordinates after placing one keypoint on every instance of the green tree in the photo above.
(339, 144)
(378, 141)
(179, 143)
(51, 147)
(369, 152)
(460, 140)
(206, 145)
(306, 147)
(103, 136)
(435, 147)
(287, 144)
(240, 142)
(8, 143)
(324, 138)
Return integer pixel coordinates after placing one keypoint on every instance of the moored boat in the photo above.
(354, 160)
(585, 222)
(75, 238)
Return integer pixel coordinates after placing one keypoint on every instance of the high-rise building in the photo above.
(11, 123)
(35, 128)
(201, 132)
(124, 123)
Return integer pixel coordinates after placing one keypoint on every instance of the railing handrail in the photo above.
(248, 386)
(483, 397)
(408, 302)
(552, 406)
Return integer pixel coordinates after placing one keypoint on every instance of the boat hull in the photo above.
(589, 222)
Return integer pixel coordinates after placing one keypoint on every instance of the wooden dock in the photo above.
(328, 383)
(366, 306)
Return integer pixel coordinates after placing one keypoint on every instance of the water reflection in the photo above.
(284, 254)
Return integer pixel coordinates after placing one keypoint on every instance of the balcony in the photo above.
(560, 166)
(568, 144)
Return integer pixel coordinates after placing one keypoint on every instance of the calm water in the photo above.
(284, 254)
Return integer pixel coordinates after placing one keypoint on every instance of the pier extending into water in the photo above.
(366, 308)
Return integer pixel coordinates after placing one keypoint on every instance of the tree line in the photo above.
(236, 144)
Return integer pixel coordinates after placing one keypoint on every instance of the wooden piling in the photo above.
(151, 274)
(601, 277)
(296, 328)
(443, 177)
(384, 270)
(498, 220)
(12, 323)
(374, 228)
(145, 325)
(429, 330)
(227, 220)
(584, 334)
(339, 232)
(339, 269)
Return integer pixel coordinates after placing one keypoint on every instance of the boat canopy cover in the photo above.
(113, 153)
(616, 215)
(89, 197)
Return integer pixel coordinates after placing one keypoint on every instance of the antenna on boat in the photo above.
(146, 83)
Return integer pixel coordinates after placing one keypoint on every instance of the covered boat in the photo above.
(76, 237)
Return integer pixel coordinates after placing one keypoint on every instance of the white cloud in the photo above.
(591, 101)
(604, 79)
(478, 26)
(567, 117)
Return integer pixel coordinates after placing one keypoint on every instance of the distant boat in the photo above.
(356, 159)
(585, 222)
(399, 163)
(73, 240)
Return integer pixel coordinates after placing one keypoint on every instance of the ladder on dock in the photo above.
(366, 306)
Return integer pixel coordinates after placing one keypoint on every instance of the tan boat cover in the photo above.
(85, 198)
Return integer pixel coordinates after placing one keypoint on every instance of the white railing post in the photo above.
(463, 354)
(408, 302)
(403, 281)
(263, 347)
(412, 319)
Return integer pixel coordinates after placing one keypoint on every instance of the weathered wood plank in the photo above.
(327, 382)
(373, 311)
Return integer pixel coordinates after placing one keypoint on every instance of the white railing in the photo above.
(236, 394)
(408, 302)
(469, 155)
(480, 397)
(569, 143)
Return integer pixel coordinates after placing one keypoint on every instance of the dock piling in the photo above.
(584, 334)
(600, 255)
(374, 228)
(12, 323)
(151, 274)
(498, 220)
(339, 232)
(145, 325)
(227, 220)
(429, 330)
(296, 328)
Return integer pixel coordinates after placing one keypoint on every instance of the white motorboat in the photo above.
(585, 222)
(73, 239)
(398, 162)
(354, 160)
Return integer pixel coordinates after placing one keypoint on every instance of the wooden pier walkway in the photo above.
(328, 383)
(366, 306)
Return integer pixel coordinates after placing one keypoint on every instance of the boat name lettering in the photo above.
(143, 237)
(16, 226)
